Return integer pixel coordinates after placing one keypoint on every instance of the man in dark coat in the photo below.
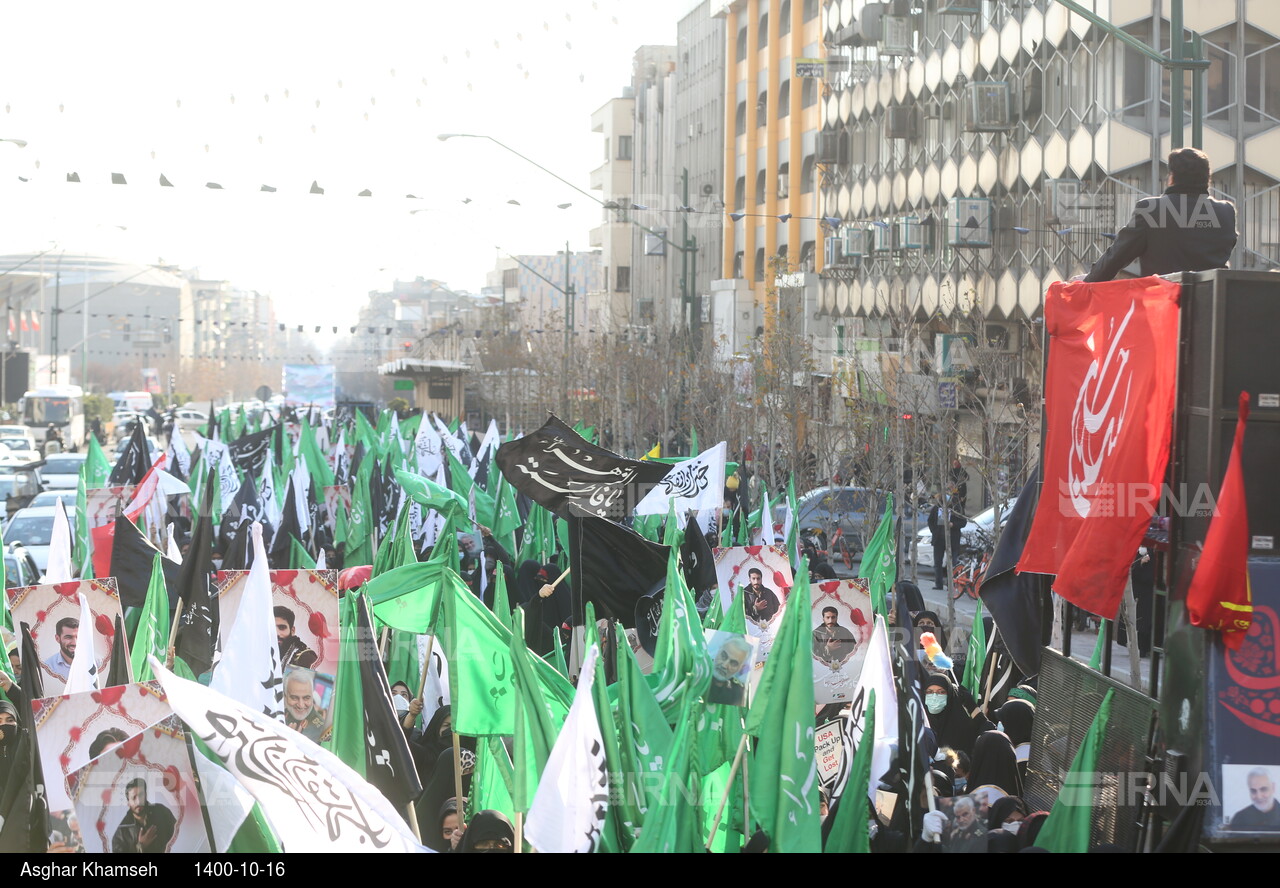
(146, 828)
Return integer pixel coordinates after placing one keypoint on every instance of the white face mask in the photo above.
(935, 703)
(1012, 827)
(400, 703)
(1000, 727)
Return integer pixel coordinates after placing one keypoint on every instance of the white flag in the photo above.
(765, 536)
(696, 483)
(877, 675)
(267, 491)
(427, 446)
(249, 670)
(181, 455)
(84, 671)
(568, 810)
(174, 554)
(59, 568)
(312, 800)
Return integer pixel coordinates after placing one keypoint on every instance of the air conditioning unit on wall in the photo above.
(902, 122)
(986, 105)
(969, 222)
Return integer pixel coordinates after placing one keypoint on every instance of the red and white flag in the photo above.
(1109, 393)
(1220, 597)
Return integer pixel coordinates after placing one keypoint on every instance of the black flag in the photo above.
(388, 763)
(555, 466)
(249, 452)
(134, 461)
(118, 668)
(246, 508)
(36, 833)
(131, 558)
(198, 626)
(1016, 600)
(612, 566)
(289, 529)
(699, 561)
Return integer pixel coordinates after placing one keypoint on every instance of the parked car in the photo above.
(18, 450)
(121, 445)
(18, 431)
(33, 527)
(854, 511)
(20, 568)
(18, 485)
(190, 420)
(976, 533)
(51, 497)
(62, 471)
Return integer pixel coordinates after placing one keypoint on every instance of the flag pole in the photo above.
(724, 799)
(552, 586)
(519, 832)
(170, 653)
(457, 775)
(746, 798)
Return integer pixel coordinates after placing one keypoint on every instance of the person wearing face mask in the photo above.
(10, 732)
(952, 725)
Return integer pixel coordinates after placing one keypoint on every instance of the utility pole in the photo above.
(57, 317)
(568, 327)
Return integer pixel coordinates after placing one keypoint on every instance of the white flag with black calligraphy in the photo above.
(250, 669)
(427, 448)
(568, 810)
(696, 484)
(312, 800)
(84, 671)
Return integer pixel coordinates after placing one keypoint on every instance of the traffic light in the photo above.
(173, 382)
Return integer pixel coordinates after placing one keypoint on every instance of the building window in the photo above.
(762, 107)
(759, 269)
(737, 264)
(809, 92)
(784, 18)
(810, 10)
(761, 179)
(784, 179)
(742, 43)
(623, 279)
(762, 39)
(807, 171)
(510, 278)
(740, 119)
(624, 147)
(806, 256)
(784, 99)
(740, 194)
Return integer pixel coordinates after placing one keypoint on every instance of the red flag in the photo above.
(103, 539)
(1220, 597)
(1109, 392)
(35, 321)
(22, 316)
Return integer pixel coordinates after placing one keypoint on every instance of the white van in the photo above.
(139, 401)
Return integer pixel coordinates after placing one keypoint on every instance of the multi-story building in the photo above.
(610, 299)
(975, 151)
(678, 172)
(224, 321)
(772, 114)
(530, 288)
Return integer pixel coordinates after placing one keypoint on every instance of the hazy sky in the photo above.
(351, 96)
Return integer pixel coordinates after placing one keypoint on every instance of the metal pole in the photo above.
(568, 326)
(57, 316)
(1177, 76)
(1197, 94)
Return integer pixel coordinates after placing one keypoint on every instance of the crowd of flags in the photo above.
(584, 750)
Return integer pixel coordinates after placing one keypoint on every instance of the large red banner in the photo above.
(1109, 390)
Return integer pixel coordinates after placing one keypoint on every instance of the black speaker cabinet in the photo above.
(1230, 343)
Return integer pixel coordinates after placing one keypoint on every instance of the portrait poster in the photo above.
(104, 504)
(966, 828)
(733, 657)
(43, 607)
(310, 595)
(842, 623)
(1249, 802)
(759, 577)
(72, 729)
(165, 818)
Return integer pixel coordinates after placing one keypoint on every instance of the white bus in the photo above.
(61, 406)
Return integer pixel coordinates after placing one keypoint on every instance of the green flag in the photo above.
(849, 832)
(347, 740)
(681, 666)
(974, 660)
(1095, 661)
(430, 494)
(152, 635)
(478, 649)
(693, 442)
(408, 598)
(493, 783)
(361, 521)
(461, 483)
(793, 524)
(82, 550)
(1069, 826)
(96, 469)
(538, 721)
(403, 660)
(299, 557)
(784, 779)
(672, 824)
(506, 518)
(880, 561)
(646, 739)
(317, 465)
